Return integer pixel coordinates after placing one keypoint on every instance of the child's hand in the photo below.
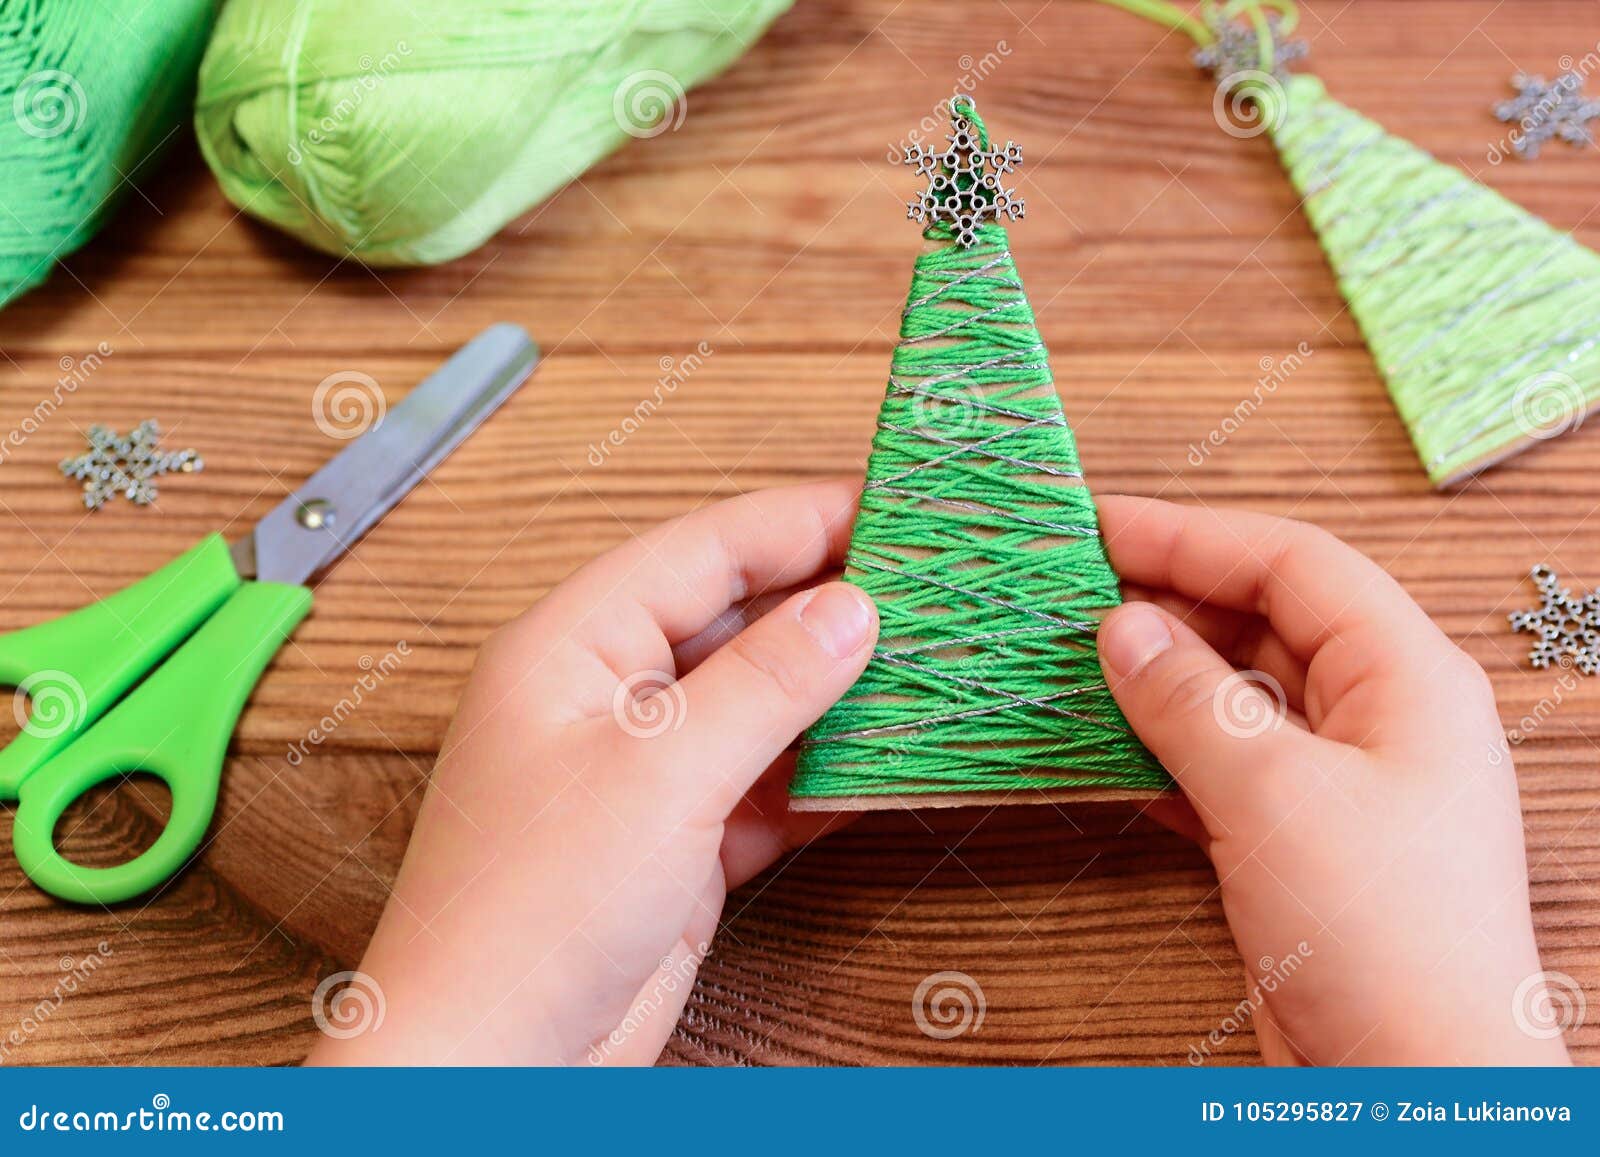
(575, 848)
(1378, 824)
(587, 816)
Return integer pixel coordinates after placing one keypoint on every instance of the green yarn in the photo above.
(89, 91)
(410, 133)
(980, 545)
(1484, 319)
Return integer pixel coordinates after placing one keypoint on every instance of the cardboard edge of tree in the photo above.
(978, 540)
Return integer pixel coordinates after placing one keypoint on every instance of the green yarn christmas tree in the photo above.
(1483, 318)
(978, 540)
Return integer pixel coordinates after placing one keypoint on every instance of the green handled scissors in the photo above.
(200, 635)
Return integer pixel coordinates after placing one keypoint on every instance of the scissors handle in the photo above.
(76, 666)
(175, 726)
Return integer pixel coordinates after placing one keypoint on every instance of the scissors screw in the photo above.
(315, 514)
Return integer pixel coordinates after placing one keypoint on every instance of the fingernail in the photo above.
(1134, 636)
(838, 618)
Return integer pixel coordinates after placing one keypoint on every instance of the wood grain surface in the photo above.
(1168, 262)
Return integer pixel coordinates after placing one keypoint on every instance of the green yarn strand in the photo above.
(1262, 15)
(90, 90)
(981, 547)
(1481, 316)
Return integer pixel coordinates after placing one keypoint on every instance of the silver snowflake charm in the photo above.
(1236, 52)
(964, 182)
(1567, 627)
(127, 466)
(1548, 111)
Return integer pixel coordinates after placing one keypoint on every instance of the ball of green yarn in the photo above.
(407, 134)
(90, 90)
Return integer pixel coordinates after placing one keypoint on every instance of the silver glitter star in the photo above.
(964, 187)
(1237, 50)
(127, 466)
(1568, 627)
(1547, 111)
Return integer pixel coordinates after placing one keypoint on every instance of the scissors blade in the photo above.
(340, 502)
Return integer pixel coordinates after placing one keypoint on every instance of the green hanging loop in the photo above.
(1260, 14)
(1171, 16)
(1244, 42)
(963, 107)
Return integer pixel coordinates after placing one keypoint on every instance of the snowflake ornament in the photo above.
(1567, 626)
(964, 181)
(1235, 54)
(1545, 112)
(127, 466)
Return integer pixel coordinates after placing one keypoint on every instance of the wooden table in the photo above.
(1170, 269)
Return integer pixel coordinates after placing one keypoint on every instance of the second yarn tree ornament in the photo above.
(1481, 316)
(977, 539)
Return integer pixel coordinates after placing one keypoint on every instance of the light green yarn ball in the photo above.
(90, 92)
(408, 134)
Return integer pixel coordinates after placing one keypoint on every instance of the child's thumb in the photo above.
(746, 702)
(1209, 725)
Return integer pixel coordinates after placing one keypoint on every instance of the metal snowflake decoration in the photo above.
(127, 466)
(1568, 627)
(964, 182)
(1236, 52)
(1547, 112)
